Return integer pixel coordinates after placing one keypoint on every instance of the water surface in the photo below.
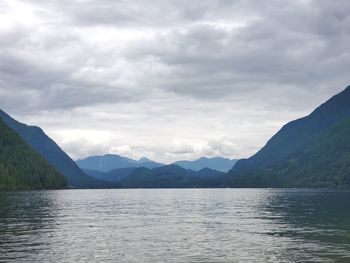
(175, 225)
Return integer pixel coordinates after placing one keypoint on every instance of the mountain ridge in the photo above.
(172, 176)
(108, 162)
(48, 149)
(293, 138)
(21, 167)
(216, 163)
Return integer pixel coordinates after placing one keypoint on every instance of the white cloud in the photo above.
(171, 80)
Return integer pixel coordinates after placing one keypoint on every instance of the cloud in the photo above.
(170, 79)
(158, 13)
(180, 148)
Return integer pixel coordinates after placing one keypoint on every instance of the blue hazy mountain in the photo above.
(172, 176)
(216, 163)
(313, 151)
(23, 168)
(108, 162)
(167, 176)
(50, 151)
(114, 175)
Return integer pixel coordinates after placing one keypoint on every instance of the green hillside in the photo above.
(172, 176)
(21, 167)
(323, 162)
(51, 152)
(310, 152)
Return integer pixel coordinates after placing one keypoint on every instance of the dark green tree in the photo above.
(22, 168)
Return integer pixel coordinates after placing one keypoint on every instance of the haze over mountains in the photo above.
(216, 163)
(112, 170)
(204, 172)
(108, 162)
(114, 175)
(172, 176)
(313, 151)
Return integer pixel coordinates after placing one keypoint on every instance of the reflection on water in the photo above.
(189, 225)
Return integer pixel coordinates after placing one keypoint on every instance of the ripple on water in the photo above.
(175, 225)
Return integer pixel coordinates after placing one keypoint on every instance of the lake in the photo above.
(175, 225)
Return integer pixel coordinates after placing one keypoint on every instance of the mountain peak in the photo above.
(144, 160)
(110, 155)
(108, 162)
(215, 163)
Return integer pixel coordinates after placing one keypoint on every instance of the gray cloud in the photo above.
(170, 79)
(139, 13)
(266, 51)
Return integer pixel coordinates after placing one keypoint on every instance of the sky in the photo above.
(169, 80)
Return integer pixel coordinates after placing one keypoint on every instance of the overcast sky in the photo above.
(168, 79)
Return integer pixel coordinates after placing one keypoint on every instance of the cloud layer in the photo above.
(169, 79)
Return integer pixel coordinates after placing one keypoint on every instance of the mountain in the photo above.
(21, 167)
(172, 176)
(48, 149)
(108, 162)
(217, 163)
(114, 175)
(313, 151)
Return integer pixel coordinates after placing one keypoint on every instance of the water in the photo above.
(179, 225)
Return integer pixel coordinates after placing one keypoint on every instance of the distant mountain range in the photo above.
(108, 162)
(172, 176)
(50, 151)
(216, 163)
(114, 175)
(169, 176)
(313, 151)
(23, 168)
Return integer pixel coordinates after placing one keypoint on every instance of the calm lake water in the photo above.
(192, 225)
